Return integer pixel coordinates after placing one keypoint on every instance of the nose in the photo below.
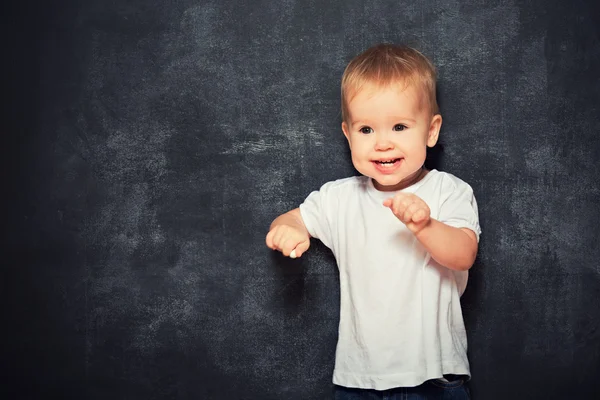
(382, 142)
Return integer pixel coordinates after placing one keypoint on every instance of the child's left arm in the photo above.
(454, 248)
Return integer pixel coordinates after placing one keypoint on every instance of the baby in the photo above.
(404, 237)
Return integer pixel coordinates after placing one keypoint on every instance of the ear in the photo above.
(346, 133)
(434, 130)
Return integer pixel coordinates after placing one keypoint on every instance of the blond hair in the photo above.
(387, 65)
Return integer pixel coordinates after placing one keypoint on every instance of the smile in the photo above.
(387, 166)
(389, 162)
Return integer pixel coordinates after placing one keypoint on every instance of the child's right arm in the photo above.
(288, 233)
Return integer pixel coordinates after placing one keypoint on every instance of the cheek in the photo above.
(417, 148)
(357, 157)
(356, 146)
(420, 148)
(419, 142)
(359, 154)
(421, 153)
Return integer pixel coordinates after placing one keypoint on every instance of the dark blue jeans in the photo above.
(455, 389)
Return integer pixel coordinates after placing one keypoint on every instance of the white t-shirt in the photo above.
(400, 317)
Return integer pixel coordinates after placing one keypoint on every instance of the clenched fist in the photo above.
(410, 209)
(289, 240)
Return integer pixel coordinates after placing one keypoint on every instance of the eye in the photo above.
(366, 130)
(399, 127)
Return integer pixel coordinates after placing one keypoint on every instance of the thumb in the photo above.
(388, 202)
(301, 248)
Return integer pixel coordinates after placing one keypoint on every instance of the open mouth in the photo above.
(387, 163)
(387, 166)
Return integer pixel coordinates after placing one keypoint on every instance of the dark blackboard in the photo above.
(148, 145)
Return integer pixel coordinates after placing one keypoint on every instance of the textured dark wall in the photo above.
(149, 144)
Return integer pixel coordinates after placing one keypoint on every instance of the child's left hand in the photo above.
(411, 210)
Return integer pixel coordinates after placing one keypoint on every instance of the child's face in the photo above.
(388, 131)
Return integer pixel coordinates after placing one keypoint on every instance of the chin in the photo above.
(388, 183)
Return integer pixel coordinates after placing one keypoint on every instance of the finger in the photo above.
(401, 204)
(269, 240)
(400, 207)
(419, 215)
(396, 206)
(278, 237)
(286, 247)
(388, 202)
(410, 210)
(301, 248)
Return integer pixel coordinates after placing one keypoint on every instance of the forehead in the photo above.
(369, 98)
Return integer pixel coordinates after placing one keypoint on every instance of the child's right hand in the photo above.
(287, 238)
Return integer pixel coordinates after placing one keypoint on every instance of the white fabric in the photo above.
(400, 317)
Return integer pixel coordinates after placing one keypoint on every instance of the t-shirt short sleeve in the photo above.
(460, 209)
(316, 216)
